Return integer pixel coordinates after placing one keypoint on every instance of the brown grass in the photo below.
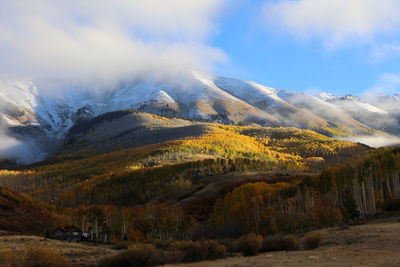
(138, 256)
(373, 244)
(33, 256)
(281, 243)
(312, 240)
(76, 254)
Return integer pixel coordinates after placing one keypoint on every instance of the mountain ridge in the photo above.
(29, 115)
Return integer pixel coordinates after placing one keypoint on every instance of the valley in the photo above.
(199, 133)
(145, 182)
(160, 171)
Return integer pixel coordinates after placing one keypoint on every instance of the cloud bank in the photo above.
(334, 22)
(106, 39)
(23, 152)
(374, 141)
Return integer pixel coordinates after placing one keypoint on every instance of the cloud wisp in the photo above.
(334, 22)
(388, 83)
(23, 152)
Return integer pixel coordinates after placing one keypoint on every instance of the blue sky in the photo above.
(337, 46)
(280, 59)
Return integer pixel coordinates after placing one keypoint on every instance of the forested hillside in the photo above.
(340, 194)
(19, 213)
(275, 204)
(278, 204)
(137, 175)
(225, 182)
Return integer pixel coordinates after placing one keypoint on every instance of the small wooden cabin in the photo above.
(72, 233)
(68, 233)
(57, 234)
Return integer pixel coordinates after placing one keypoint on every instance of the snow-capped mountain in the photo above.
(365, 109)
(29, 114)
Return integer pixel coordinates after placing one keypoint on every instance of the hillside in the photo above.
(218, 182)
(207, 180)
(19, 213)
(166, 152)
(119, 130)
(343, 193)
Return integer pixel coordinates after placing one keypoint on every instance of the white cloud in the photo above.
(23, 152)
(335, 21)
(104, 38)
(374, 140)
(388, 83)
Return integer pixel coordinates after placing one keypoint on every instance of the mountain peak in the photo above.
(327, 96)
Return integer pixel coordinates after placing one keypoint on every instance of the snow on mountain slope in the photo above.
(27, 113)
(368, 114)
(21, 105)
(324, 109)
(25, 124)
(248, 90)
(390, 104)
(196, 98)
(17, 101)
(327, 96)
(268, 99)
(356, 104)
(369, 107)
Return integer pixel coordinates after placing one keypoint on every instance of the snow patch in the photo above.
(370, 108)
(327, 96)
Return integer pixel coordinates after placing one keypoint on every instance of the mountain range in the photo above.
(45, 120)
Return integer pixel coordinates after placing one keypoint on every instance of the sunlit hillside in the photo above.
(139, 174)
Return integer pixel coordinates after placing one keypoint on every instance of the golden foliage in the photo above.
(248, 148)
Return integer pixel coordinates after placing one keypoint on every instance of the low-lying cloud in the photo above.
(23, 152)
(381, 94)
(374, 141)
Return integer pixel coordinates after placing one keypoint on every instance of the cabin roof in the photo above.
(72, 228)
